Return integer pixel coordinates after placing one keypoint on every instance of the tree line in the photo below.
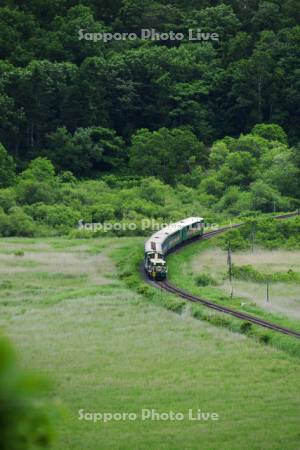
(57, 92)
(170, 175)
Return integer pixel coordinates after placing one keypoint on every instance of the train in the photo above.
(160, 243)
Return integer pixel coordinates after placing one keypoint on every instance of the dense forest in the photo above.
(213, 125)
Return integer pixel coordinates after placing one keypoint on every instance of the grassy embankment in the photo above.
(108, 348)
(201, 269)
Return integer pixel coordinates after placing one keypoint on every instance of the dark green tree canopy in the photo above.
(7, 168)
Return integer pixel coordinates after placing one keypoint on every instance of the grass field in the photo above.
(205, 258)
(107, 349)
(284, 298)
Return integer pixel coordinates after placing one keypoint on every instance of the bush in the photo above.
(143, 289)
(56, 216)
(7, 199)
(38, 183)
(270, 131)
(24, 418)
(264, 338)
(20, 224)
(249, 273)
(205, 280)
(174, 304)
(234, 239)
(4, 223)
(246, 327)
(268, 232)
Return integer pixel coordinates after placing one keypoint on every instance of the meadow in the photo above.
(283, 296)
(107, 348)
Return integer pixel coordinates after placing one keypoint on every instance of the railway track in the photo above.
(165, 285)
(240, 315)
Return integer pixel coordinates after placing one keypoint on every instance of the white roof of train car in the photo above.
(161, 235)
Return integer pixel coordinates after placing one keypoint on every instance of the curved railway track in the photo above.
(165, 285)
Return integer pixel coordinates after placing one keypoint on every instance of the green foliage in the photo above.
(246, 327)
(166, 153)
(264, 232)
(249, 273)
(245, 176)
(271, 132)
(56, 216)
(218, 154)
(87, 151)
(267, 199)
(7, 199)
(17, 223)
(24, 415)
(239, 168)
(50, 80)
(233, 239)
(7, 168)
(165, 129)
(205, 280)
(37, 183)
(220, 18)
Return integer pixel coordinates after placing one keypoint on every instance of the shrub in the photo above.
(234, 239)
(264, 338)
(249, 273)
(268, 233)
(24, 419)
(174, 304)
(7, 199)
(20, 224)
(102, 212)
(4, 223)
(56, 216)
(143, 290)
(246, 327)
(205, 280)
(270, 131)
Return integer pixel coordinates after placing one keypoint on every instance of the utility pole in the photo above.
(229, 263)
(268, 291)
(252, 237)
